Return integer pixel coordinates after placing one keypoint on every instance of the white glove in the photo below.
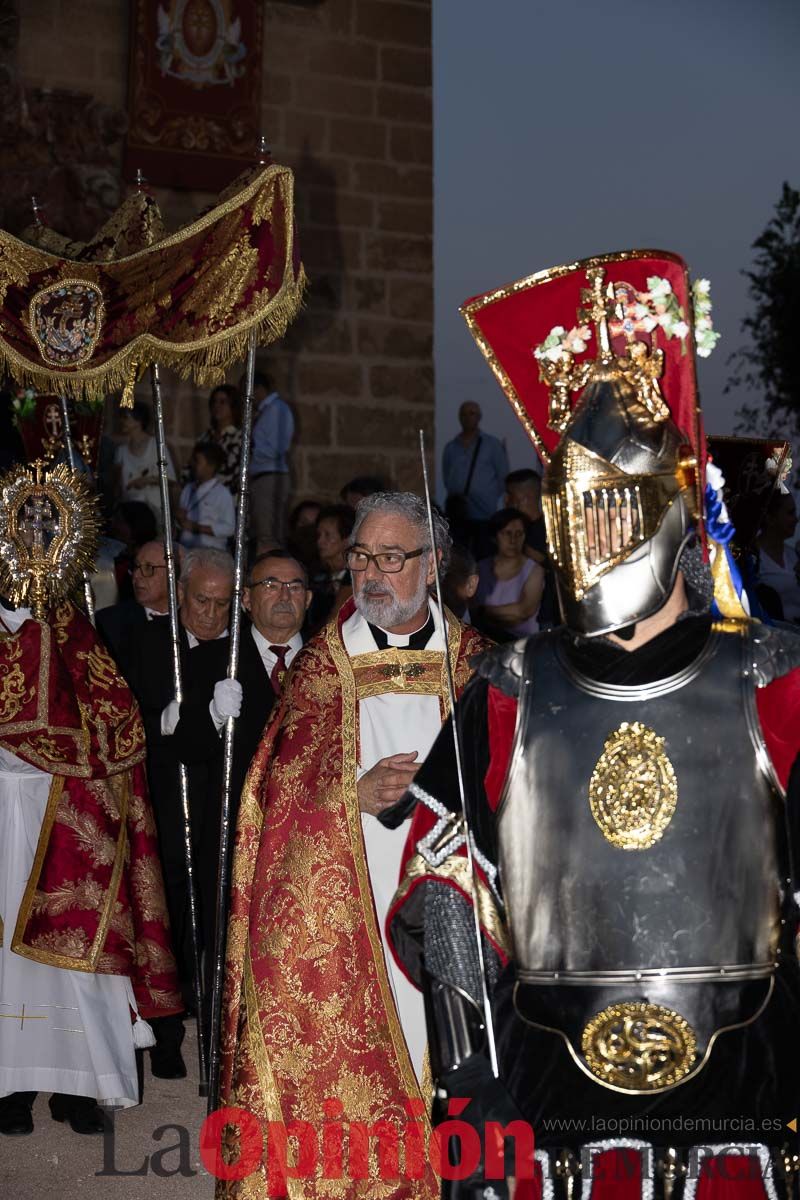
(169, 718)
(227, 701)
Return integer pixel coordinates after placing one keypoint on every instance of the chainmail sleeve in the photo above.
(433, 929)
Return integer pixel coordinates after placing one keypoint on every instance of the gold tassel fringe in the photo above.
(205, 365)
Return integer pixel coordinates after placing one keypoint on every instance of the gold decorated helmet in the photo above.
(598, 361)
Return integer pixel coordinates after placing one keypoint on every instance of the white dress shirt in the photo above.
(269, 659)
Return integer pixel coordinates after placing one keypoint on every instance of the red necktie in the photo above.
(278, 672)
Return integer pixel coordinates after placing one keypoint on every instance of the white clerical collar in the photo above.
(358, 639)
(403, 639)
(294, 643)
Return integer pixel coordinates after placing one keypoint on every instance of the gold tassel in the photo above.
(127, 391)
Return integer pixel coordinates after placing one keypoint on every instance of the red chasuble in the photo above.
(95, 897)
(308, 1012)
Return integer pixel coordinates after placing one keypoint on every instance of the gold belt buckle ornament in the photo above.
(639, 1047)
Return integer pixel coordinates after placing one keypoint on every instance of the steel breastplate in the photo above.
(642, 853)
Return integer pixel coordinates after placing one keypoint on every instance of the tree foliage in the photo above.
(769, 366)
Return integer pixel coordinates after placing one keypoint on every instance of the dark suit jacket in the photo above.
(196, 737)
(197, 744)
(119, 626)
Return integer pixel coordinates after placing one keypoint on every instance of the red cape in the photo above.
(95, 897)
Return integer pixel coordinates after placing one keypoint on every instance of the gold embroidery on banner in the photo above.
(206, 358)
(17, 263)
(639, 1047)
(66, 319)
(633, 791)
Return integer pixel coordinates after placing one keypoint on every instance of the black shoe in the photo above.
(80, 1112)
(167, 1063)
(16, 1118)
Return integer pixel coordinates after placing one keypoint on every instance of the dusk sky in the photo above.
(571, 129)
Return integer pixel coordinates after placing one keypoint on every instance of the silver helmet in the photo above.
(618, 505)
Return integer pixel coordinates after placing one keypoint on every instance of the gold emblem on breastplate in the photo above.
(633, 791)
(639, 1047)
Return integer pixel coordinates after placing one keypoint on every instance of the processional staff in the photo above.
(172, 596)
(451, 695)
(73, 462)
(223, 871)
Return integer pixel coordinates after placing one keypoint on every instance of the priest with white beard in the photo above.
(315, 871)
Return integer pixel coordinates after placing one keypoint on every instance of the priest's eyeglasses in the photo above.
(295, 587)
(147, 570)
(390, 562)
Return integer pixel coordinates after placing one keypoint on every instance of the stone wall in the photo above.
(346, 104)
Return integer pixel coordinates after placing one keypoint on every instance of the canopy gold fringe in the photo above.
(206, 365)
(231, 273)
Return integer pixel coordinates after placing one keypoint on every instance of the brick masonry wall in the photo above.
(347, 104)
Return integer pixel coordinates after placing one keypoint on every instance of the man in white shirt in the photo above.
(206, 513)
(277, 598)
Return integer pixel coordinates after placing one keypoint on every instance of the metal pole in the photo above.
(221, 923)
(172, 593)
(451, 692)
(73, 462)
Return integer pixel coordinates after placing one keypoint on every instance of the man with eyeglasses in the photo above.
(120, 624)
(277, 598)
(314, 869)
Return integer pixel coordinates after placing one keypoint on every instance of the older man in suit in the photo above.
(120, 624)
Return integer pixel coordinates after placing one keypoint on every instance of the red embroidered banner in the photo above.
(194, 93)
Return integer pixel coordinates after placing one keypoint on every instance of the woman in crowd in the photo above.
(779, 567)
(225, 431)
(510, 584)
(331, 586)
(302, 539)
(136, 461)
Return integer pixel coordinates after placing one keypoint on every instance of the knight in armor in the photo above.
(631, 784)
